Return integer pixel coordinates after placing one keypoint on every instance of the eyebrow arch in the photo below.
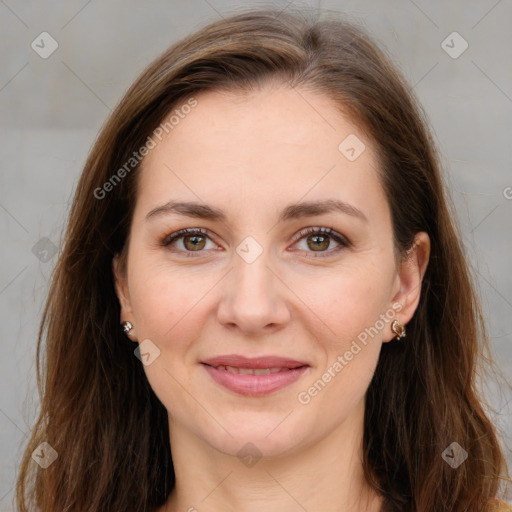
(292, 211)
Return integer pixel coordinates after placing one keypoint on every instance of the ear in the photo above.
(408, 281)
(122, 292)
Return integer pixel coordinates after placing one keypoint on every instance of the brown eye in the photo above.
(320, 242)
(194, 242)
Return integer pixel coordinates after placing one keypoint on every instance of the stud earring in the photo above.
(127, 327)
(398, 329)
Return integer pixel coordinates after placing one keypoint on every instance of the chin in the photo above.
(269, 439)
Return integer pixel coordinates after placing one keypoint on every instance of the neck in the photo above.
(327, 475)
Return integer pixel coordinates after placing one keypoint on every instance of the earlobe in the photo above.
(410, 278)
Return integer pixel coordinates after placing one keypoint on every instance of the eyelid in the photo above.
(168, 239)
(330, 232)
(340, 239)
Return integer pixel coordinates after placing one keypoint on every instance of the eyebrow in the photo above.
(292, 211)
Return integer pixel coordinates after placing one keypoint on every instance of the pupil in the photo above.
(196, 241)
(322, 240)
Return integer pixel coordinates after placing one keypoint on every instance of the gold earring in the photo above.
(398, 329)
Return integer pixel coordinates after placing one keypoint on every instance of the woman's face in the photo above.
(255, 283)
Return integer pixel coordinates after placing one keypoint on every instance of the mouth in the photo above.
(257, 377)
(252, 371)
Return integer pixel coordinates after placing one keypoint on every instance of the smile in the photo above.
(254, 381)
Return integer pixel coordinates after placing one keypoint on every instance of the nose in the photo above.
(254, 298)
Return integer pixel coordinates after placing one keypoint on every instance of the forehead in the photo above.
(275, 144)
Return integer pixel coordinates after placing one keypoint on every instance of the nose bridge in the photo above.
(251, 270)
(254, 295)
(253, 279)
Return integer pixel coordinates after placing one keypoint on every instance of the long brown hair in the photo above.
(98, 411)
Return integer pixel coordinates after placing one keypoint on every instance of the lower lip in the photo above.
(255, 385)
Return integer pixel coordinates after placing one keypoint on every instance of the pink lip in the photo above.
(254, 385)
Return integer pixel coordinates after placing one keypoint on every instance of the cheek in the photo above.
(346, 301)
(160, 298)
(351, 344)
(353, 310)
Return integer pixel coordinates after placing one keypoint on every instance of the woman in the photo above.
(263, 214)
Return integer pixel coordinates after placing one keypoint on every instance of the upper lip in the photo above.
(237, 361)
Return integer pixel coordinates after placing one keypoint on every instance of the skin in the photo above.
(252, 154)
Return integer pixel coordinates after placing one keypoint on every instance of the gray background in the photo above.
(51, 110)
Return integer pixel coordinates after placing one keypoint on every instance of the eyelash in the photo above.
(169, 239)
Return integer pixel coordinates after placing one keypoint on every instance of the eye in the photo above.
(193, 240)
(319, 239)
